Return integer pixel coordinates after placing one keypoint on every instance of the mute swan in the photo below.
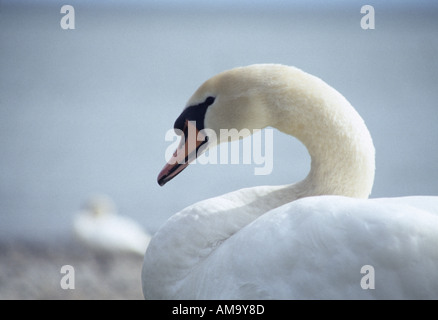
(318, 238)
(99, 227)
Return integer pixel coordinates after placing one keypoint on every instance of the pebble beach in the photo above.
(31, 270)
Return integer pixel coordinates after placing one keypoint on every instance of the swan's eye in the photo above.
(194, 113)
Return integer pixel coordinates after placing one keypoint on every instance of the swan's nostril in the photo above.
(181, 131)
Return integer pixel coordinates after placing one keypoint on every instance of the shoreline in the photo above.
(32, 271)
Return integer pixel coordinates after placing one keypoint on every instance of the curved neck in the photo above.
(339, 143)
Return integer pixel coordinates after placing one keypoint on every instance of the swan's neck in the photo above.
(334, 134)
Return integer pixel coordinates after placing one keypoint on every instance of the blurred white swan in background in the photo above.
(100, 227)
(308, 240)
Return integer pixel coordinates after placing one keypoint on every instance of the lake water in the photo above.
(85, 111)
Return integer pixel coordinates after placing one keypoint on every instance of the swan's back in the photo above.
(316, 247)
(98, 226)
(112, 233)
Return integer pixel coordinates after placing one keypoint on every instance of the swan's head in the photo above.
(292, 101)
(99, 206)
(226, 103)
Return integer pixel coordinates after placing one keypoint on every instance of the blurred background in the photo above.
(85, 111)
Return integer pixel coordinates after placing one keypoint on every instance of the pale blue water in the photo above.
(85, 111)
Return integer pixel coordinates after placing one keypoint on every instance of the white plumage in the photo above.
(301, 241)
(99, 227)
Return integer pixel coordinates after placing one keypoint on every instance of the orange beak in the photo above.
(187, 151)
